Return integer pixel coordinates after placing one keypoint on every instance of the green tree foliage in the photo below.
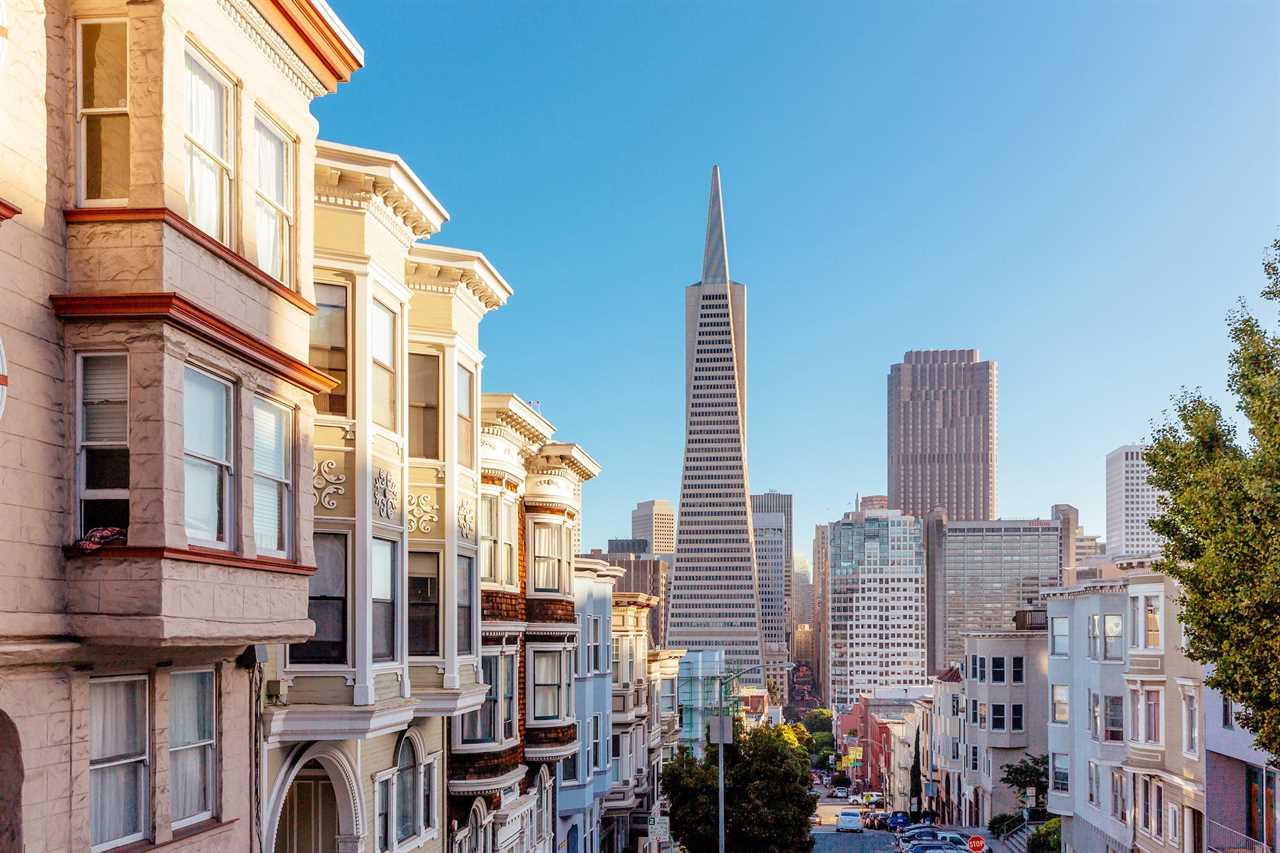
(1220, 518)
(1047, 838)
(767, 799)
(1032, 770)
(823, 759)
(823, 740)
(803, 737)
(818, 720)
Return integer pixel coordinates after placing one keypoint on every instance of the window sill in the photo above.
(194, 554)
(209, 827)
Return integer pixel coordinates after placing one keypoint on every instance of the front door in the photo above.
(309, 821)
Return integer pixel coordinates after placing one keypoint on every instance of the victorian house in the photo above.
(156, 406)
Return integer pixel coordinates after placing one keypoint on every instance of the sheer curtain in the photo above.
(271, 430)
(206, 128)
(271, 186)
(546, 679)
(190, 743)
(204, 435)
(117, 742)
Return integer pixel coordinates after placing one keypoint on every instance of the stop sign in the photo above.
(977, 843)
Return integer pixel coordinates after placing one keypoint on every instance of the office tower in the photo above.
(821, 611)
(942, 434)
(715, 592)
(877, 613)
(802, 596)
(1131, 503)
(774, 501)
(990, 570)
(867, 502)
(628, 546)
(1088, 545)
(1069, 517)
(935, 528)
(771, 569)
(656, 522)
(644, 573)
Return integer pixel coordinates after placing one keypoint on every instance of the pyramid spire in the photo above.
(715, 256)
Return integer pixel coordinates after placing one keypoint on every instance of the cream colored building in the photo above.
(155, 172)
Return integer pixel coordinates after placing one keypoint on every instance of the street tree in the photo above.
(1030, 772)
(767, 799)
(1220, 519)
(818, 720)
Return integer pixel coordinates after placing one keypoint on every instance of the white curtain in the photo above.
(204, 409)
(190, 722)
(546, 671)
(188, 782)
(271, 184)
(271, 431)
(206, 124)
(117, 731)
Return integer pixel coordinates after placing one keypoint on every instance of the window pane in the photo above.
(384, 630)
(329, 345)
(384, 397)
(424, 413)
(104, 513)
(106, 156)
(190, 708)
(115, 799)
(424, 603)
(118, 719)
(103, 65)
(272, 160)
(203, 500)
(382, 569)
(330, 578)
(106, 468)
(269, 229)
(189, 782)
(382, 334)
(104, 392)
(465, 590)
(206, 108)
(204, 410)
(465, 392)
(271, 434)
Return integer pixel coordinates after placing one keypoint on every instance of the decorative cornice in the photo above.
(334, 722)
(551, 753)
(492, 785)
(180, 224)
(274, 47)
(179, 311)
(443, 702)
(193, 555)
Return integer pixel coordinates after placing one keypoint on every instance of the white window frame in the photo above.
(1053, 705)
(500, 740)
(1054, 636)
(81, 112)
(144, 801)
(394, 368)
(490, 500)
(286, 139)
(287, 511)
(565, 692)
(559, 531)
(1191, 730)
(1138, 599)
(428, 825)
(227, 467)
(192, 148)
(85, 493)
(211, 744)
(1118, 657)
(1053, 765)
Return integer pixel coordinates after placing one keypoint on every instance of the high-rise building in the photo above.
(867, 502)
(877, 606)
(942, 434)
(774, 501)
(986, 572)
(628, 546)
(715, 591)
(1131, 503)
(771, 569)
(644, 573)
(1088, 545)
(802, 596)
(655, 521)
(821, 611)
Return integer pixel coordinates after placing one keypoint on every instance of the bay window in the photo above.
(668, 696)
(274, 199)
(1015, 717)
(192, 763)
(1190, 723)
(466, 587)
(382, 586)
(552, 683)
(548, 558)
(1017, 669)
(209, 159)
(1152, 724)
(207, 421)
(424, 603)
(466, 418)
(1151, 622)
(272, 439)
(424, 405)
(103, 438)
(382, 349)
(481, 725)
(1095, 636)
(326, 604)
(328, 352)
(1145, 617)
(1119, 797)
(102, 114)
(119, 776)
(997, 718)
(997, 670)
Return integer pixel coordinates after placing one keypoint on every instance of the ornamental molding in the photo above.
(467, 519)
(422, 511)
(441, 278)
(325, 484)
(273, 46)
(379, 197)
(386, 495)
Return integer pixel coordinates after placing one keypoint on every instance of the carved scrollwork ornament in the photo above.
(325, 484)
(422, 512)
(467, 519)
(386, 495)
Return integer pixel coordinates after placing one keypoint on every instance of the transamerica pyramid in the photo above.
(714, 592)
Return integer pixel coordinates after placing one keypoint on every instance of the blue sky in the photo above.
(1081, 192)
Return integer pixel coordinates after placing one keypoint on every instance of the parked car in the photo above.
(914, 834)
(898, 821)
(882, 820)
(840, 793)
(933, 847)
(873, 798)
(815, 819)
(849, 821)
(954, 838)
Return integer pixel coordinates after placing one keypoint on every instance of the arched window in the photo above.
(408, 800)
(473, 833)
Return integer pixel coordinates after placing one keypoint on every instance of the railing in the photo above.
(1011, 828)
(1224, 839)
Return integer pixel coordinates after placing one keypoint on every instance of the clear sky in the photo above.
(1081, 192)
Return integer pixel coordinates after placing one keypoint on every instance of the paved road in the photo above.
(827, 840)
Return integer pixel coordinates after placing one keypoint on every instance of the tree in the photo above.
(818, 720)
(803, 736)
(1220, 519)
(1047, 838)
(823, 759)
(917, 786)
(823, 740)
(767, 799)
(1032, 771)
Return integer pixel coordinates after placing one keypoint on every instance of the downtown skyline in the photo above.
(829, 191)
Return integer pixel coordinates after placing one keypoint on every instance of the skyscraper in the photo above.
(768, 528)
(715, 591)
(774, 501)
(1131, 503)
(942, 434)
(877, 612)
(656, 522)
(822, 610)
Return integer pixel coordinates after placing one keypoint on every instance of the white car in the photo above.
(849, 821)
(840, 793)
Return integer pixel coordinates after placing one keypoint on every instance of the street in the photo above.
(827, 840)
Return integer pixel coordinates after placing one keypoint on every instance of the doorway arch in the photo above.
(346, 793)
